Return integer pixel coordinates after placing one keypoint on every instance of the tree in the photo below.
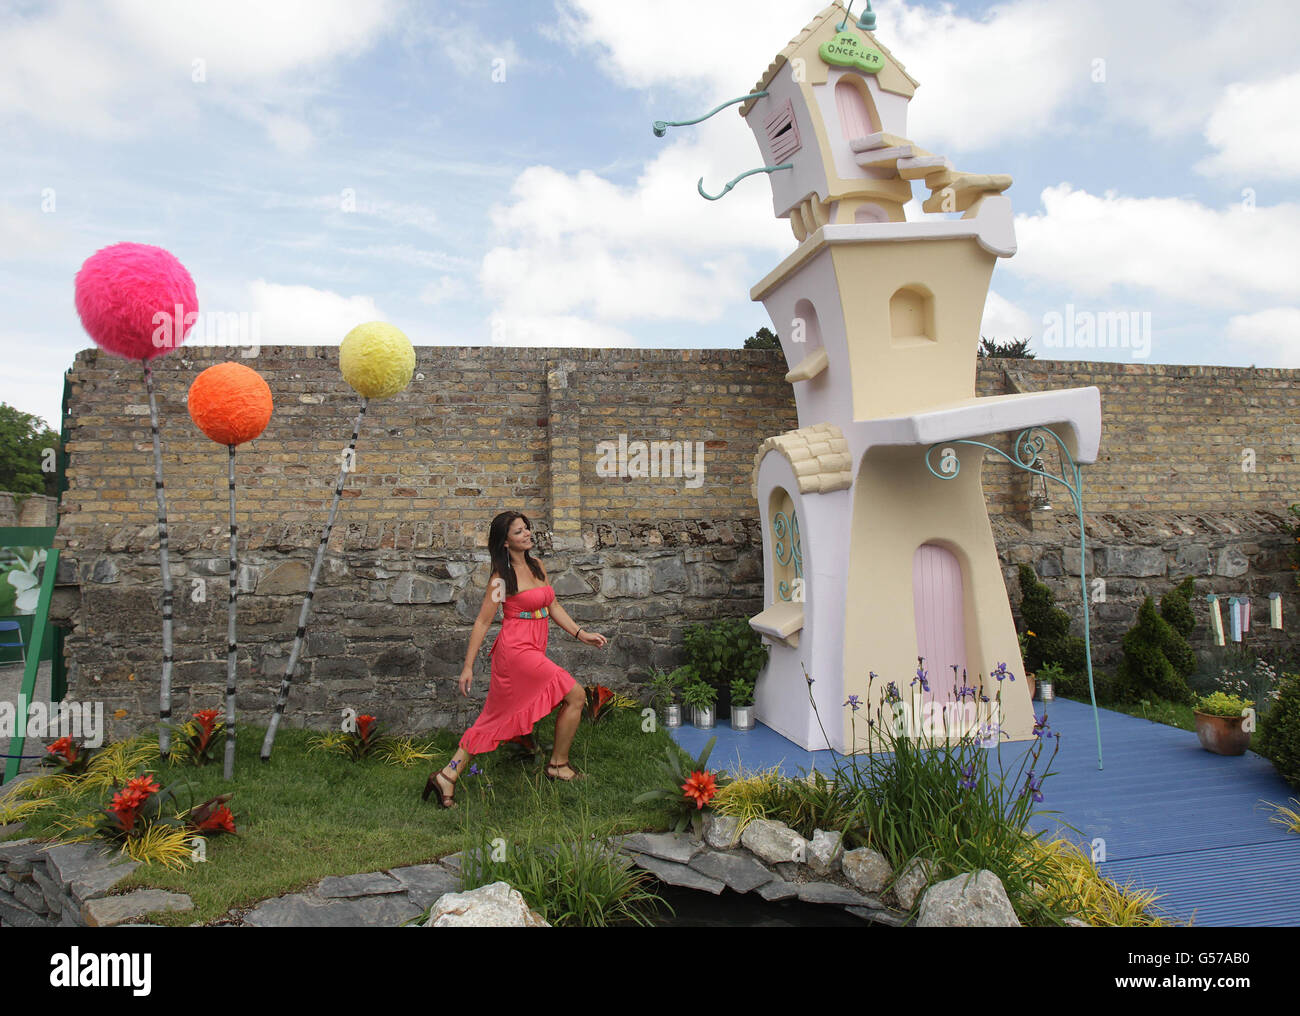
(1051, 641)
(1016, 349)
(764, 338)
(1157, 660)
(23, 442)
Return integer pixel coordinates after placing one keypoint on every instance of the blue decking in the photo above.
(1174, 818)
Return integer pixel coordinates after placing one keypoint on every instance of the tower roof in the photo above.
(892, 78)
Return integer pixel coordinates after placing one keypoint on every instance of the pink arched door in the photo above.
(856, 119)
(940, 619)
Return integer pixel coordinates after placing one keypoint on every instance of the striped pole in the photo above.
(229, 771)
(344, 468)
(165, 686)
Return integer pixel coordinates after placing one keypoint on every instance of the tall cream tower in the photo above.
(870, 559)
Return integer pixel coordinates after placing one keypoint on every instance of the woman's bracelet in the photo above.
(577, 633)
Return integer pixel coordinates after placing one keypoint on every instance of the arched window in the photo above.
(806, 328)
(911, 316)
(857, 117)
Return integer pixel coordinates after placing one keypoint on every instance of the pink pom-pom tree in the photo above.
(138, 302)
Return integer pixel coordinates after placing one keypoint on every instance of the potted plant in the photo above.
(665, 689)
(1220, 719)
(700, 696)
(724, 650)
(1050, 677)
(742, 704)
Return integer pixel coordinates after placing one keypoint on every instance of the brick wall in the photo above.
(485, 428)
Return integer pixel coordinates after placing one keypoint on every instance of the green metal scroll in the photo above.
(1029, 445)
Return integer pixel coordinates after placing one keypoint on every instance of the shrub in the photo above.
(1279, 731)
(1176, 607)
(725, 650)
(1051, 641)
(1220, 704)
(1156, 660)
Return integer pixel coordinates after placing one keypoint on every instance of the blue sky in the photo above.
(481, 173)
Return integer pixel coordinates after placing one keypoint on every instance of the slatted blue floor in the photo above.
(1174, 818)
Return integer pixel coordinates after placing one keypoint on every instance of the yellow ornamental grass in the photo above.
(749, 796)
(403, 751)
(1086, 891)
(1289, 817)
(12, 809)
(167, 845)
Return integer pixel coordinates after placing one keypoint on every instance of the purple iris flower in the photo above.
(853, 701)
(455, 763)
(474, 770)
(1041, 728)
(968, 772)
(1001, 672)
(921, 676)
(1035, 787)
(891, 691)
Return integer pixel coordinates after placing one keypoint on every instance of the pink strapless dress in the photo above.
(525, 685)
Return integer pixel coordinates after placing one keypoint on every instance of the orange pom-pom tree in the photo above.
(231, 404)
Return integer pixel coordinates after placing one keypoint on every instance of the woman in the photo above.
(525, 684)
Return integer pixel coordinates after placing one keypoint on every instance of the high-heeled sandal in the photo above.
(577, 775)
(445, 800)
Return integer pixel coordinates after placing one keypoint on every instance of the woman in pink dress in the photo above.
(525, 684)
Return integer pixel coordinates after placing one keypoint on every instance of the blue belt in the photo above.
(541, 612)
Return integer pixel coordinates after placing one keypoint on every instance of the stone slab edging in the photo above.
(44, 884)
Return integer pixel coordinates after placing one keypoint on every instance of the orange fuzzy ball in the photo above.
(230, 403)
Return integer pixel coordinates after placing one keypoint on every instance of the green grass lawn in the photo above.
(304, 816)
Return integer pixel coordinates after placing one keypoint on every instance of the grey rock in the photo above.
(6, 883)
(299, 911)
(1231, 562)
(866, 868)
(1074, 922)
(788, 870)
(14, 916)
(53, 894)
(425, 883)
(678, 874)
(1192, 559)
(111, 910)
(773, 841)
(1140, 562)
(21, 850)
(411, 588)
(878, 916)
(737, 869)
(825, 850)
(825, 892)
(31, 898)
(451, 861)
(720, 830)
(975, 900)
(490, 906)
(285, 579)
(84, 871)
(777, 889)
(914, 877)
(677, 847)
(104, 571)
(376, 883)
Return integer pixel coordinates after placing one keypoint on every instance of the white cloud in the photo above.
(554, 330)
(128, 67)
(1256, 129)
(301, 315)
(1003, 321)
(581, 245)
(1168, 247)
(1273, 334)
(445, 287)
(475, 55)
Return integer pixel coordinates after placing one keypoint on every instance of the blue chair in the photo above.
(13, 626)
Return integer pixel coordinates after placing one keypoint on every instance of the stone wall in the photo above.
(637, 558)
(28, 510)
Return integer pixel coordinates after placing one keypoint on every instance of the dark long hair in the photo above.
(501, 557)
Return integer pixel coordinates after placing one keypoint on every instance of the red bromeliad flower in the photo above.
(144, 785)
(64, 748)
(207, 723)
(701, 787)
(364, 723)
(597, 696)
(220, 820)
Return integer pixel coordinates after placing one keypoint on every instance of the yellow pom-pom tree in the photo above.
(377, 361)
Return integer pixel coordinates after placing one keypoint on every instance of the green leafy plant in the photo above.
(361, 740)
(1278, 736)
(577, 882)
(1220, 704)
(742, 692)
(688, 788)
(699, 694)
(1011, 349)
(68, 757)
(1157, 660)
(1050, 641)
(725, 650)
(1176, 607)
(1294, 530)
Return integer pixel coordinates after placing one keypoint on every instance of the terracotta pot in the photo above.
(1222, 734)
(1029, 679)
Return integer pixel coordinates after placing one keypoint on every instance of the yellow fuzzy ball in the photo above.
(377, 359)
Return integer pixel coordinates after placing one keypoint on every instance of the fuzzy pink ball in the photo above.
(136, 301)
